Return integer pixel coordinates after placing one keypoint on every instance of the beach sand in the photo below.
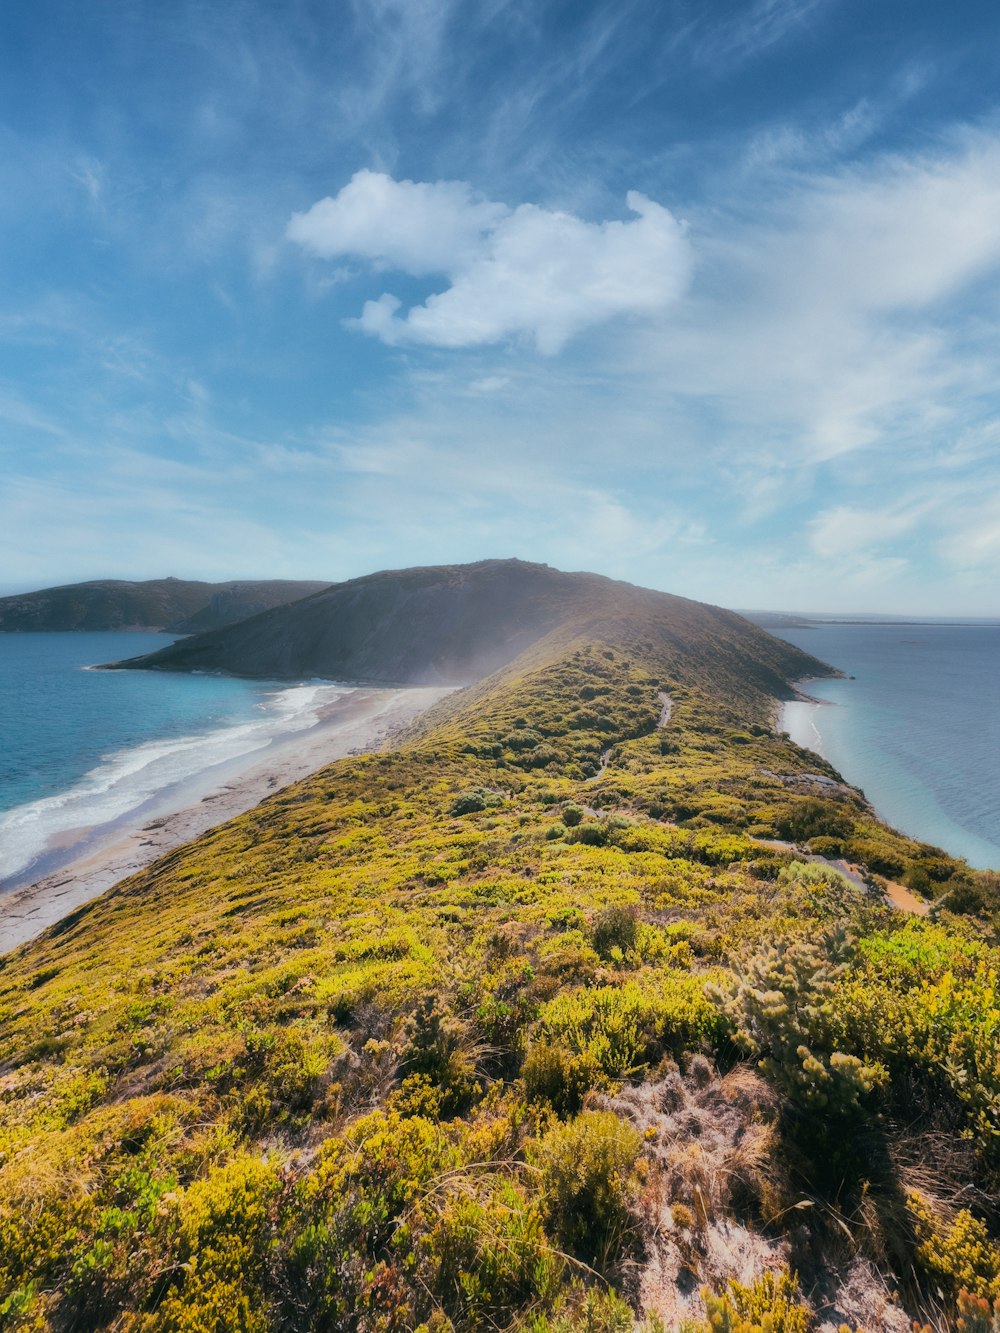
(99, 857)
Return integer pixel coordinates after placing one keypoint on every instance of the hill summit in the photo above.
(455, 624)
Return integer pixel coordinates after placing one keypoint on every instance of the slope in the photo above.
(457, 623)
(178, 606)
(486, 1032)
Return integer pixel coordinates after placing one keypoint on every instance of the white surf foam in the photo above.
(126, 780)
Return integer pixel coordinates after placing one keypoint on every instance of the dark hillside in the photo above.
(177, 606)
(458, 623)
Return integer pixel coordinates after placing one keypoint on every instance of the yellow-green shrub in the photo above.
(588, 1178)
(768, 1305)
(957, 1255)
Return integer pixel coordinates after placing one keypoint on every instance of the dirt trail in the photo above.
(901, 897)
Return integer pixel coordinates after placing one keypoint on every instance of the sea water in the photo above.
(917, 728)
(80, 748)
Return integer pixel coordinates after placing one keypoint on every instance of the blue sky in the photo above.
(704, 296)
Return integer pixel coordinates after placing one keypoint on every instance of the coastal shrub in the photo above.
(589, 1175)
(956, 1256)
(614, 929)
(826, 846)
(589, 1310)
(782, 1010)
(811, 817)
(481, 1251)
(522, 739)
(476, 799)
(878, 857)
(767, 1305)
(339, 1252)
(439, 1048)
(572, 814)
(221, 1231)
(591, 835)
(592, 1037)
(926, 1004)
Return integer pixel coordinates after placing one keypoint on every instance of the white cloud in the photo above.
(839, 313)
(528, 271)
(844, 530)
(407, 225)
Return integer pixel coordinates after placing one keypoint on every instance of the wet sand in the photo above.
(363, 720)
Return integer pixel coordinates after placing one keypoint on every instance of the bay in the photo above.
(80, 748)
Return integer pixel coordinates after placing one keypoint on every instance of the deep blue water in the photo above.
(80, 748)
(918, 729)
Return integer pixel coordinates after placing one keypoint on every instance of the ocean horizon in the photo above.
(914, 722)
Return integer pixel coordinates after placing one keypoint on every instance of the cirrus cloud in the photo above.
(528, 271)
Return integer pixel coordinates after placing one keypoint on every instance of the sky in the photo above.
(702, 296)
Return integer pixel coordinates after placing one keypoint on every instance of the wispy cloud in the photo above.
(730, 38)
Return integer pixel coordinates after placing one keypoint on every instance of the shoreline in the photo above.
(798, 718)
(104, 854)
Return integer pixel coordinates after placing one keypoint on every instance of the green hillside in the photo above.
(537, 1021)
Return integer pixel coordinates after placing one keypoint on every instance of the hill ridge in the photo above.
(454, 624)
(171, 605)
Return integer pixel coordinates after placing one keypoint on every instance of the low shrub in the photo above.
(588, 1172)
(768, 1305)
(476, 799)
(782, 1011)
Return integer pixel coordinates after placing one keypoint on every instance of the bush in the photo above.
(592, 1037)
(824, 846)
(588, 1171)
(476, 799)
(614, 928)
(813, 818)
(782, 1011)
(572, 814)
(592, 835)
(959, 1257)
(768, 1305)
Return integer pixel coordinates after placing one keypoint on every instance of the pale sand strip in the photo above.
(363, 720)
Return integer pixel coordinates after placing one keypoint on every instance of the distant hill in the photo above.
(453, 624)
(178, 606)
(777, 619)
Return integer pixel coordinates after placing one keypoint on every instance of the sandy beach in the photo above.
(91, 860)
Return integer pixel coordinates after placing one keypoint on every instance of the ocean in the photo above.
(82, 748)
(918, 728)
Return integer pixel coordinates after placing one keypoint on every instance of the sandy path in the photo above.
(362, 720)
(901, 897)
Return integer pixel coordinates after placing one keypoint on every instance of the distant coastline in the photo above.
(917, 728)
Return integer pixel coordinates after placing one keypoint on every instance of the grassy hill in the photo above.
(537, 1021)
(178, 606)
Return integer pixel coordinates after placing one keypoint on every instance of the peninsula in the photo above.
(588, 1001)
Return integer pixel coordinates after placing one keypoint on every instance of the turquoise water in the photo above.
(83, 748)
(918, 729)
